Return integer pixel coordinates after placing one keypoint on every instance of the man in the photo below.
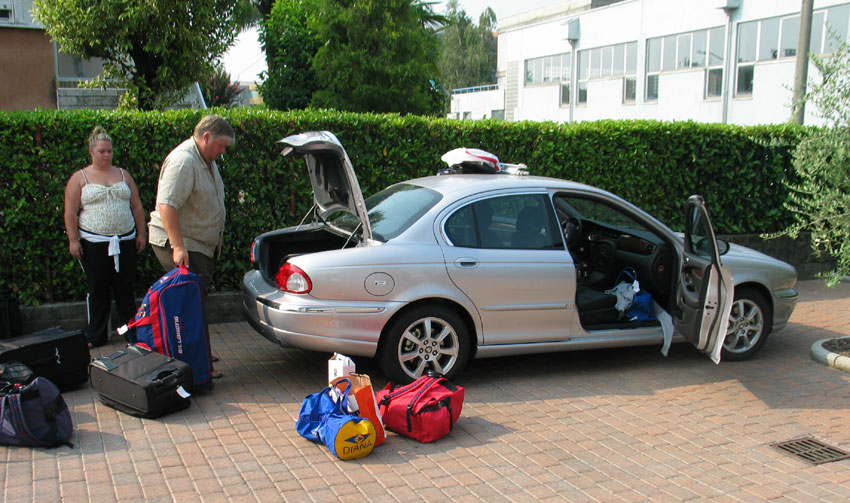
(187, 226)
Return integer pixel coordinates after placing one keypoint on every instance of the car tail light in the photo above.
(253, 246)
(290, 278)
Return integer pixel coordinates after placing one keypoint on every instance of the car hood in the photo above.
(740, 253)
(335, 186)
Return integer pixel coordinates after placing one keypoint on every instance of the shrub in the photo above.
(656, 165)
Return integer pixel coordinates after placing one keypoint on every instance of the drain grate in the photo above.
(811, 450)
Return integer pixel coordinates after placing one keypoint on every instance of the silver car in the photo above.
(432, 272)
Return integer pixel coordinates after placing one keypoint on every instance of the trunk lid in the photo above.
(335, 186)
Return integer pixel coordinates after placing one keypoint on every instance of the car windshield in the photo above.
(392, 210)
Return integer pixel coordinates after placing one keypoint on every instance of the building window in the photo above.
(685, 51)
(548, 69)
(629, 89)
(836, 24)
(683, 59)
(776, 38)
(565, 93)
(745, 80)
(816, 40)
(618, 60)
(768, 39)
(652, 87)
(581, 99)
(790, 34)
(74, 69)
(713, 82)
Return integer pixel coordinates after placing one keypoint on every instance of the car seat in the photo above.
(527, 235)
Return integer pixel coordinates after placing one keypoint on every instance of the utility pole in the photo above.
(801, 73)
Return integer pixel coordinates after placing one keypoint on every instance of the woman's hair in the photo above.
(98, 134)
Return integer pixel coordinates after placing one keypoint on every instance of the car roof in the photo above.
(455, 187)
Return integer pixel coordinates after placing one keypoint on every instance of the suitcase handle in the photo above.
(167, 377)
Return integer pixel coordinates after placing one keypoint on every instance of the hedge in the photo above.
(739, 170)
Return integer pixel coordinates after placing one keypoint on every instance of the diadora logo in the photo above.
(356, 439)
(178, 329)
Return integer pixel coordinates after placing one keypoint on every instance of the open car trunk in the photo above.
(275, 248)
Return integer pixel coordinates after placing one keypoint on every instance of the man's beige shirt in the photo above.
(196, 191)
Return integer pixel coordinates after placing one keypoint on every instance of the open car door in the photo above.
(705, 290)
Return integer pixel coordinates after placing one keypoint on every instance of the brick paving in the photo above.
(600, 426)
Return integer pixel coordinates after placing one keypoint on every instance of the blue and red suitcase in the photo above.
(171, 321)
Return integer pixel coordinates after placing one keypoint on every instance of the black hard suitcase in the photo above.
(60, 355)
(141, 382)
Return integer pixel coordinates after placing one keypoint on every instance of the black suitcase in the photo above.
(62, 356)
(141, 382)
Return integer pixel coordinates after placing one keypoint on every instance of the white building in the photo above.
(727, 61)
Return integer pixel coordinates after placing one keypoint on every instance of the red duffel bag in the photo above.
(425, 410)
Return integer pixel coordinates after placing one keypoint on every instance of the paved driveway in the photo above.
(618, 425)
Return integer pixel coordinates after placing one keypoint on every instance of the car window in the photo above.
(508, 222)
(392, 210)
(701, 242)
(595, 210)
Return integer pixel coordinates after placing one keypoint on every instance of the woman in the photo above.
(105, 223)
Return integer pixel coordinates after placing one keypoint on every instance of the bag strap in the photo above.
(434, 381)
(629, 273)
(399, 391)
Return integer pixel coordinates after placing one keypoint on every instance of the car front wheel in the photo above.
(750, 322)
(426, 338)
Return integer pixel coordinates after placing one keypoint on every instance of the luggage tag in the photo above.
(182, 392)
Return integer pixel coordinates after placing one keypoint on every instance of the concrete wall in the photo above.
(73, 98)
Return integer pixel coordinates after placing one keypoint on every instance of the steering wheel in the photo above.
(572, 231)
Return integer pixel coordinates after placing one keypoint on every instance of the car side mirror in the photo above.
(722, 246)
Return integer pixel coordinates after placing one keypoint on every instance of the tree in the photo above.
(377, 56)
(217, 89)
(289, 44)
(154, 48)
(468, 53)
(820, 201)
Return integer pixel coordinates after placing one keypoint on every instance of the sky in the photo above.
(245, 60)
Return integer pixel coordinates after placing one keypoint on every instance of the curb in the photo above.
(828, 358)
(222, 307)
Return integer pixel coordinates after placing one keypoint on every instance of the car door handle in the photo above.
(466, 262)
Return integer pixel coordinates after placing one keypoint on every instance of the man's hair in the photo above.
(216, 126)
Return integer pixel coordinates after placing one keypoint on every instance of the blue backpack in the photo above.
(34, 415)
(171, 321)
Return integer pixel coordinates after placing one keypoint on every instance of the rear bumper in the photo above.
(352, 328)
